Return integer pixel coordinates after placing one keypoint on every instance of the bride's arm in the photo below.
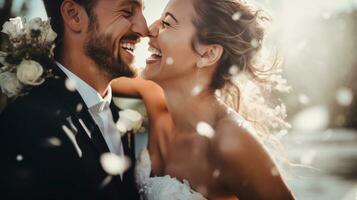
(160, 123)
(150, 92)
(246, 167)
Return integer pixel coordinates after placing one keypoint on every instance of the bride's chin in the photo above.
(150, 72)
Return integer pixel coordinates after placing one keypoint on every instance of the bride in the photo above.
(199, 146)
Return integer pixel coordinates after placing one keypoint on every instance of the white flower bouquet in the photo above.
(28, 44)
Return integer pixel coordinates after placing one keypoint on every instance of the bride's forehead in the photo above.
(180, 7)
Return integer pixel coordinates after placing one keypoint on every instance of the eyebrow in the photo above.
(171, 15)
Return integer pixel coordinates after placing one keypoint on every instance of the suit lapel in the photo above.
(89, 129)
(81, 116)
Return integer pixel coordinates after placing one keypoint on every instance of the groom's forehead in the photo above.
(138, 2)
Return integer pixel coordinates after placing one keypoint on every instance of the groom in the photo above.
(53, 138)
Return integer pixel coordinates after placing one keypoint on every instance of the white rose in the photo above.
(13, 27)
(10, 85)
(129, 120)
(29, 72)
(33, 25)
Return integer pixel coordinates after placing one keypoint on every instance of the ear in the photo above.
(210, 56)
(72, 15)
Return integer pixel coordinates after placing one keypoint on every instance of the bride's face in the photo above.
(173, 57)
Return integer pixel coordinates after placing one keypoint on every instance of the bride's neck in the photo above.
(187, 109)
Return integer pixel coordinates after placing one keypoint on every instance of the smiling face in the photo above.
(171, 44)
(114, 54)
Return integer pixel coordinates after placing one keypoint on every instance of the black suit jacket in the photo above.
(38, 157)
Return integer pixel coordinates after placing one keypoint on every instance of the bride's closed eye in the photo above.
(165, 24)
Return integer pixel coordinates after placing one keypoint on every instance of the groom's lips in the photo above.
(128, 46)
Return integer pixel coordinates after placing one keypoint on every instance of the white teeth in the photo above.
(128, 46)
(155, 51)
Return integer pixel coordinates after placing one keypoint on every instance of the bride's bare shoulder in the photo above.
(233, 137)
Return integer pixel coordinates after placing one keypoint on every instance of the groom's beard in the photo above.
(98, 47)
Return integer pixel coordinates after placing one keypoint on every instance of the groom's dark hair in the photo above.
(53, 9)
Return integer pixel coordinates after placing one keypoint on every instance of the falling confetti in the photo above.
(312, 119)
(204, 129)
(106, 181)
(196, 90)
(19, 158)
(70, 85)
(216, 173)
(54, 142)
(304, 99)
(344, 96)
(254, 43)
(79, 107)
(233, 70)
(236, 16)
(113, 164)
(169, 61)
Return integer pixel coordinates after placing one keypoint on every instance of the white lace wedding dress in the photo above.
(163, 187)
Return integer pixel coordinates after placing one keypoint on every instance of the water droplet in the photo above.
(114, 164)
(204, 129)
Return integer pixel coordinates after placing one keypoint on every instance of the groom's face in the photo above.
(105, 44)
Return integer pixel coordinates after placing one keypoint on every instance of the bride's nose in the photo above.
(154, 29)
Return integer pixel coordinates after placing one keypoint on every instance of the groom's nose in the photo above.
(139, 25)
(154, 29)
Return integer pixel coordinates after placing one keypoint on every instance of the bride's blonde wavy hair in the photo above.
(244, 78)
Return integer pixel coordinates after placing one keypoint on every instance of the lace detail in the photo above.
(161, 188)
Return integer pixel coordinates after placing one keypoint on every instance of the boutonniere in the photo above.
(28, 44)
(130, 120)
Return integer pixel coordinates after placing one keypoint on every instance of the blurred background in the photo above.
(317, 39)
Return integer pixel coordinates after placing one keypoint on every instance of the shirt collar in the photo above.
(90, 96)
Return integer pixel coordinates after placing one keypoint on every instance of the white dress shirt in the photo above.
(100, 111)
